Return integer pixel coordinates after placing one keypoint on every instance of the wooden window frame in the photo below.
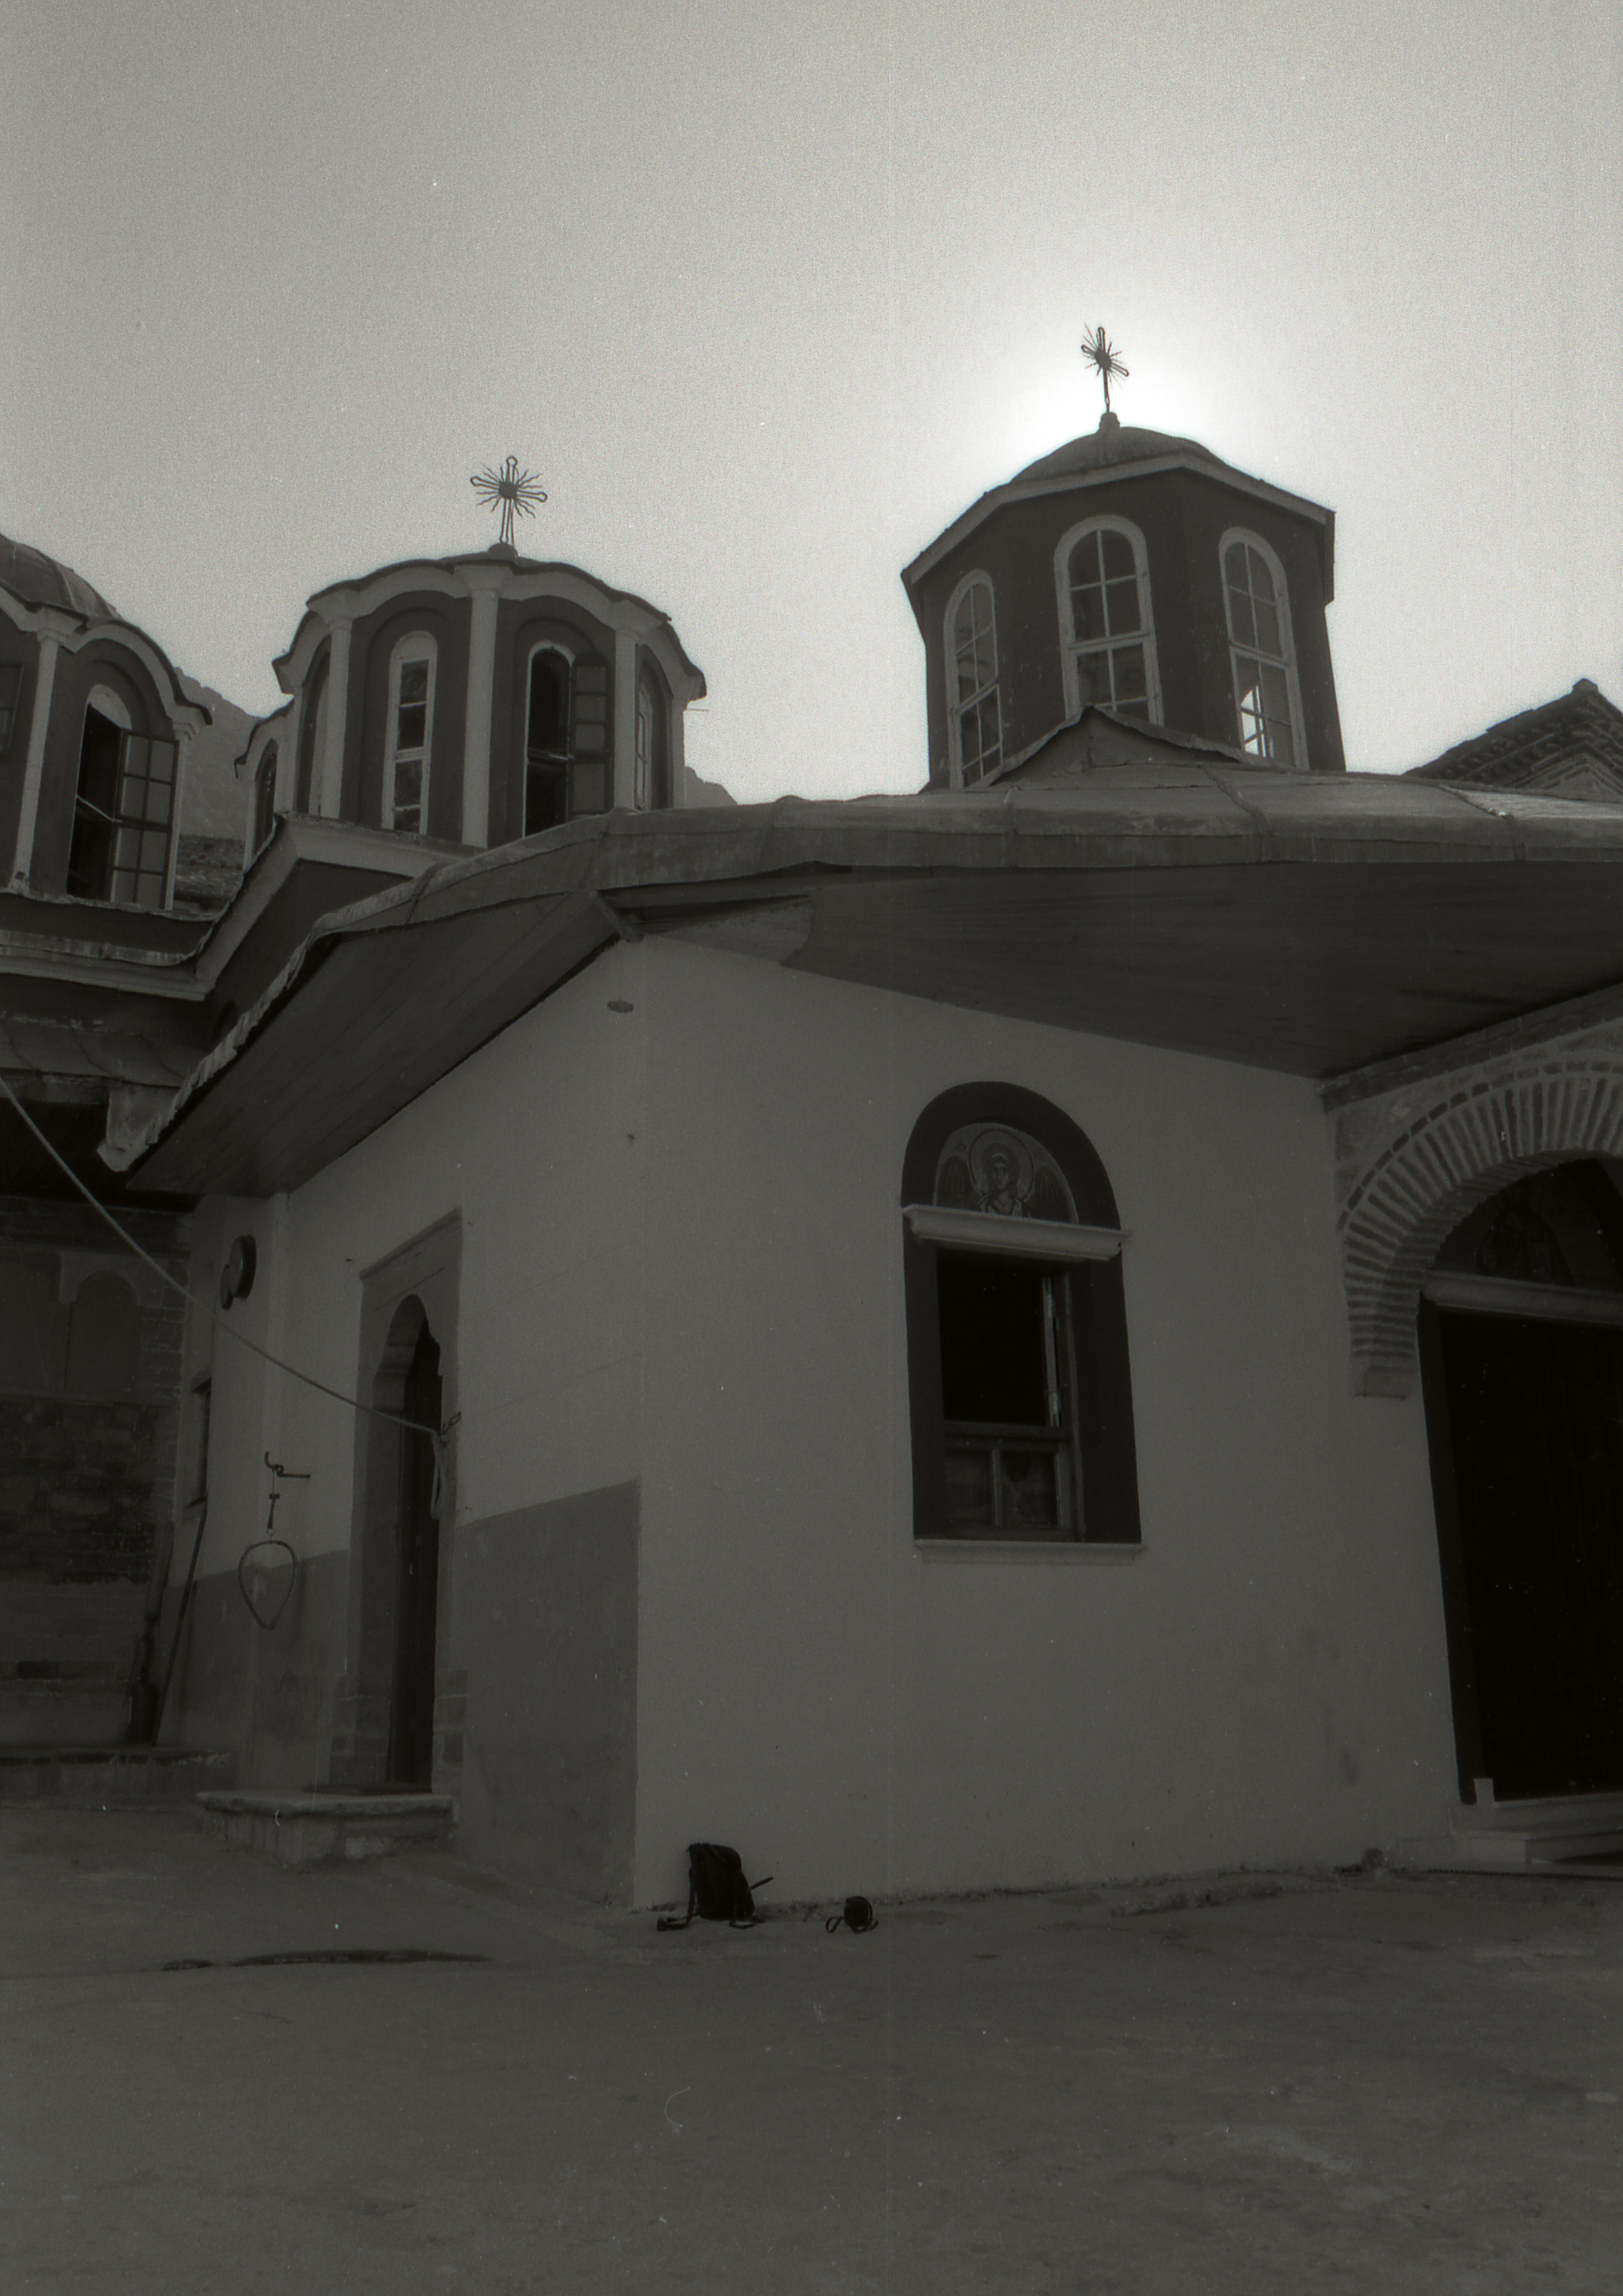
(959, 705)
(1072, 648)
(1086, 1254)
(1255, 652)
(416, 645)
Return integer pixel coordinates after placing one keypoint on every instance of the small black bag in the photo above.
(858, 1915)
(716, 1888)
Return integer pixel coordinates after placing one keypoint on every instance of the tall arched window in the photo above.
(264, 801)
(123, 807)
(312, 733)
(566, 738)
(410, 733)
(651, 782)
(1268, 701)
(1107, 630)
(974, 711)
(1017, 1345)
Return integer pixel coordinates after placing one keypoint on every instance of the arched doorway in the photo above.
(1521, 1357)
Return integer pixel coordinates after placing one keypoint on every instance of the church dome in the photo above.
(37, 580)
(1111, 444)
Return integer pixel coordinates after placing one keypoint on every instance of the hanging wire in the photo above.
(435, 1434)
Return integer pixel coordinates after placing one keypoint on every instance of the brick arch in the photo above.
(1448, 1161)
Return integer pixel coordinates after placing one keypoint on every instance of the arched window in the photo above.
(1107, 631)
(1268, 701)
(651, 782)
(566, 738)
(410, 733)
(123, 807)
(312, 733)
(264, 801)
(974, 713)
(1017, 1350)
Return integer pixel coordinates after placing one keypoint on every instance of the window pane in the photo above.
(1087, 613)
(154, 850)
(158, 796)
(408, 781)
(1123, 605)
(1128, 662)
(126, 848)
(1118, 553)
(413, 681)
(968, 1485)
(1030, 1490)
(412, 725)
(1267, 629)
(1085, 561)
(994, 1363)
(161, 765)
(1262, 581)
(1242, 621)
(1093, 679)
(137, 748)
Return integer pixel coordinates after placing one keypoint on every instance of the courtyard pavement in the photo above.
(1248, 2083)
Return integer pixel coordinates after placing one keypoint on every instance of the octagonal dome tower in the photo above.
(474, 699)
(1137, 573)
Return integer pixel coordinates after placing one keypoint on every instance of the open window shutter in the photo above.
(589, 736)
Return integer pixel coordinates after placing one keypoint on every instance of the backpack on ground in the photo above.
(717, 1890)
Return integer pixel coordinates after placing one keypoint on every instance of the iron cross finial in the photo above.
(513, 488)
(1100, 353)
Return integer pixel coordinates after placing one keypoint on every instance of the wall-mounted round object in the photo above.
(237, 1276)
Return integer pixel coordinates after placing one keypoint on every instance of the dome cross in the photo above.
(513, 488)
(1101, 353)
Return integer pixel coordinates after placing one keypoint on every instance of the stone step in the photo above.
(329, 1829)
(112, 1776)
(1556, 1833)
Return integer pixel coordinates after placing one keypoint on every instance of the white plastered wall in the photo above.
(1266, 1682)
(533, 1142)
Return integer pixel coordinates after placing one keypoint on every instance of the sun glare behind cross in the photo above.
(513, 488)
(1101, 355)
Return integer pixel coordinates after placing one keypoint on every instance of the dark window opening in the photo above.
(122, 814)
(566, 749)
(1007, 1379)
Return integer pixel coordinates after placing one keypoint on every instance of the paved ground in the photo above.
(1364, 2082)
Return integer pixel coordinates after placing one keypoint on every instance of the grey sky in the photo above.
(766, 295)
